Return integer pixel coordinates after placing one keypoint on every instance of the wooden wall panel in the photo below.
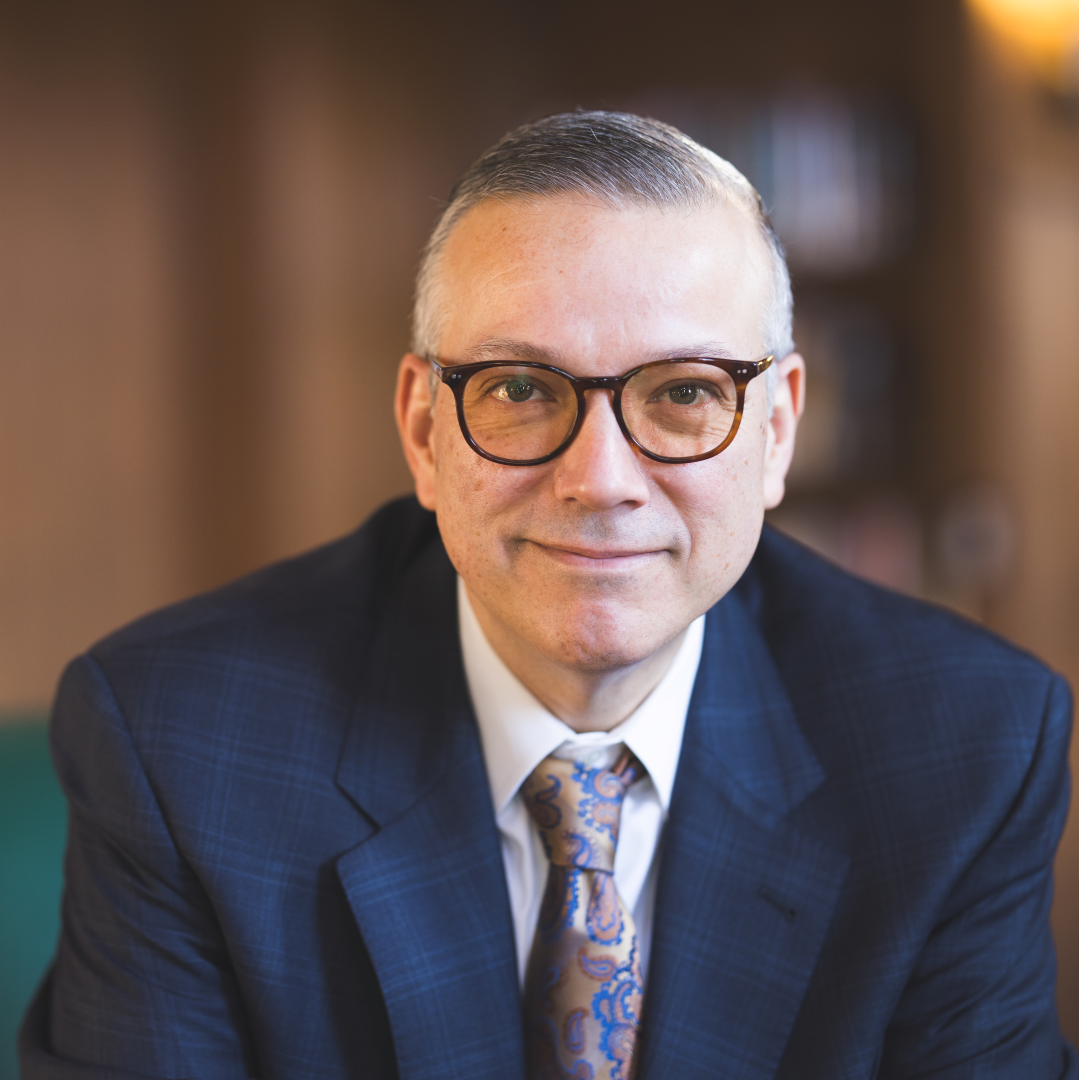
(1021, 379)
(88, 439)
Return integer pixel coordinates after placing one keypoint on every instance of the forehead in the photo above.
(589, 282)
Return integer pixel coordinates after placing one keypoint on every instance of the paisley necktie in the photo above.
(583, 983)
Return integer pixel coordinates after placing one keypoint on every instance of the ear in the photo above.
(415, 424)
(782, 425)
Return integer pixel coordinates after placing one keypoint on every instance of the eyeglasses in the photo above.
(674, 411)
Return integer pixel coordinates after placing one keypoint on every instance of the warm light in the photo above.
(1046, 31)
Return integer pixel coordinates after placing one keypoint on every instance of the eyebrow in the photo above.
(493, 348)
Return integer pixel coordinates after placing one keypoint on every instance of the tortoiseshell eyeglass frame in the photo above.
(456, 377)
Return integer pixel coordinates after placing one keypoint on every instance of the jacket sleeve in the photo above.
(141, 985)
(980, 1002)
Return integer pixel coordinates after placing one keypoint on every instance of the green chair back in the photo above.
(33, 827)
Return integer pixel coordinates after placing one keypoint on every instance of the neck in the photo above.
(583, 699)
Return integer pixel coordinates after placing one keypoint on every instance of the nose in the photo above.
(600, 469)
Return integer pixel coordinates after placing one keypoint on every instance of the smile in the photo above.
(596, 558)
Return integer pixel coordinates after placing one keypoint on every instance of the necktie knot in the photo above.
(577, 809)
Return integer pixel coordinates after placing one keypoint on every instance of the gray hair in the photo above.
(619, 159)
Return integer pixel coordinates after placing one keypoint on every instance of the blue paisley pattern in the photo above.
(618, 1005)
(560, 902)
(604, 920)
(579, 850)
(583, 988)
(544, 1059)
(550, 978)
(544, 809)
(573, 1035)
(601, 804)
(602, 968)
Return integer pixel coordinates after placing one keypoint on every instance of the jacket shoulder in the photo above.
(875, 677)
(925, 724)
(280, 647)
(798, 596)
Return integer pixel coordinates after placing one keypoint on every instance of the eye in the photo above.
(686, 394)
(515, 390)
(701, 394)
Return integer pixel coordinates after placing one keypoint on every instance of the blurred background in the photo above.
(210, 215)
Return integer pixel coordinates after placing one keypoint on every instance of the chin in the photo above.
(601, 636)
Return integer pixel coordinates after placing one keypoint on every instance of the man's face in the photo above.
(601, 556)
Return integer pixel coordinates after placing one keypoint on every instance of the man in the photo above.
(567, 771)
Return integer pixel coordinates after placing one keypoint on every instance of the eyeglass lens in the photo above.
(675, 410)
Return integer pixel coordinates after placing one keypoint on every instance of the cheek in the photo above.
(720, 489)
(721, 501)
(472, 485)
(477, 499)
(460, 483)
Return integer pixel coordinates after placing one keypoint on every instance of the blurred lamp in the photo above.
(1045, 32)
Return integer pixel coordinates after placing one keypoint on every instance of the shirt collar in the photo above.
(517, 732)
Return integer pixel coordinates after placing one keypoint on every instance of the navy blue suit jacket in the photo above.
(283, 858)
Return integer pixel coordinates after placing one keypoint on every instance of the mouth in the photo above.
(597, 558)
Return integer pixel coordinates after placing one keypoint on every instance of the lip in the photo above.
(595, 558)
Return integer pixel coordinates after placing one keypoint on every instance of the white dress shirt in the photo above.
(517, 733)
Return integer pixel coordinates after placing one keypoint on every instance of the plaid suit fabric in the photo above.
(265, 878)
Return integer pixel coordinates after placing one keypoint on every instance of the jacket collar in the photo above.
(744, 897)
(740, 715)
(428, 888)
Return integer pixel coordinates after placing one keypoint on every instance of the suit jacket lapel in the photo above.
(428, 887)
(744, 897)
